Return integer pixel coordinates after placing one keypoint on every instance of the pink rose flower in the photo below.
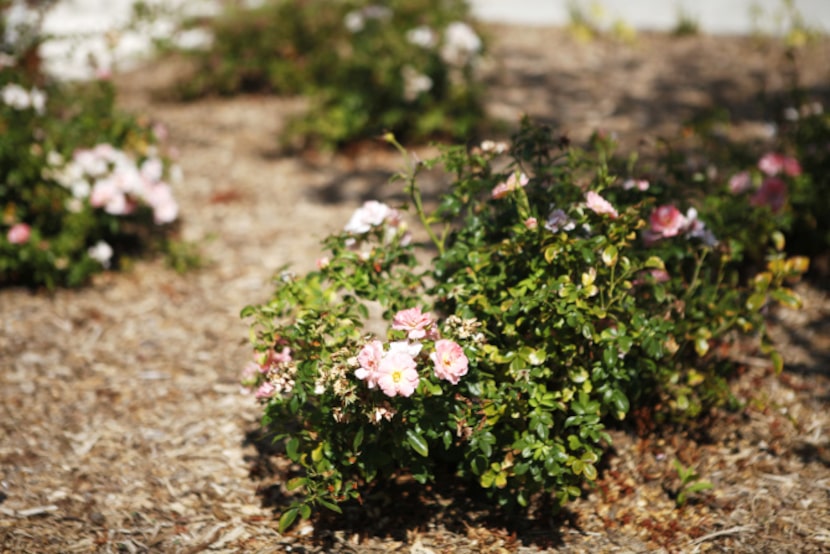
(280, 358)
(369, 359)
(265, 390)
(639, 184)
(773, 163)
(651, 275)
(740, 182)
(450, 361)
(165, 208)
(600, 205)
(667, 221)
(417, 325)
(773, 193)
(531, 223)
(250, 373)
(792, 167)
(19, 233)
(513, 182)
(397, 374)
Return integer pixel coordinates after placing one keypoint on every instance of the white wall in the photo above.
(713, 16)
(84, 22)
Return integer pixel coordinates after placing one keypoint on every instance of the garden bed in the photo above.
(121, 421)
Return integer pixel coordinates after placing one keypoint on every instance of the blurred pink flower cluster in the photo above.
(667, 221)
(515, 181)
(111, 179)
(278, 370)
(773, 190)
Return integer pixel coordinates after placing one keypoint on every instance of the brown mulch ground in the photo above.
(122, 427)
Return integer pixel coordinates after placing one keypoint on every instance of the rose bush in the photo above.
(81, 184)
(366, 67)
(558, 297)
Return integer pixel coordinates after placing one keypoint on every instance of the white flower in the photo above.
(38, 100)
(80, 188)
(354, 21)
(16, 96)
(371, 214)
(422, 36)
(101, 252)
(414, 83)
(461, 43)
(494, 147)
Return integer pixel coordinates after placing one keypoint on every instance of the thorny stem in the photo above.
(409, 174)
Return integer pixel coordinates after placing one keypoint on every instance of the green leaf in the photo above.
(787, 297)
(358, 439)
(610, 255)
(701, 345)
(291, 448)
(655, 263)
(295, 483)
(590, 472)
(699, 486)
(417, 442)
(756, 301)
(620, 402)
(777, 361)
(287, 518)
(330, 505)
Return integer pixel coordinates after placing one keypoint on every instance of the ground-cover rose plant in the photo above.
(406, 66)
(546, 313)
(82, 185)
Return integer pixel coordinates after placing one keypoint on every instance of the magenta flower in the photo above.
(773, 163)
(600, 205)
(416, 324)
(450, 362)
(667, 221)
(19, 233)
(397, 374)
(369, 359)
(792, 167)
(773, 194)
(516, 180)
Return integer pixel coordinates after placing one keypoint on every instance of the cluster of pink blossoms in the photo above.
(667, 221)
(271, 374)
(600, 205)
(394, 369)
(110, 179)
(773, 190)
(19, 233)
(515, 181)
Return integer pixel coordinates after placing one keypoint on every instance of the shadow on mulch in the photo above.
(398, 507)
